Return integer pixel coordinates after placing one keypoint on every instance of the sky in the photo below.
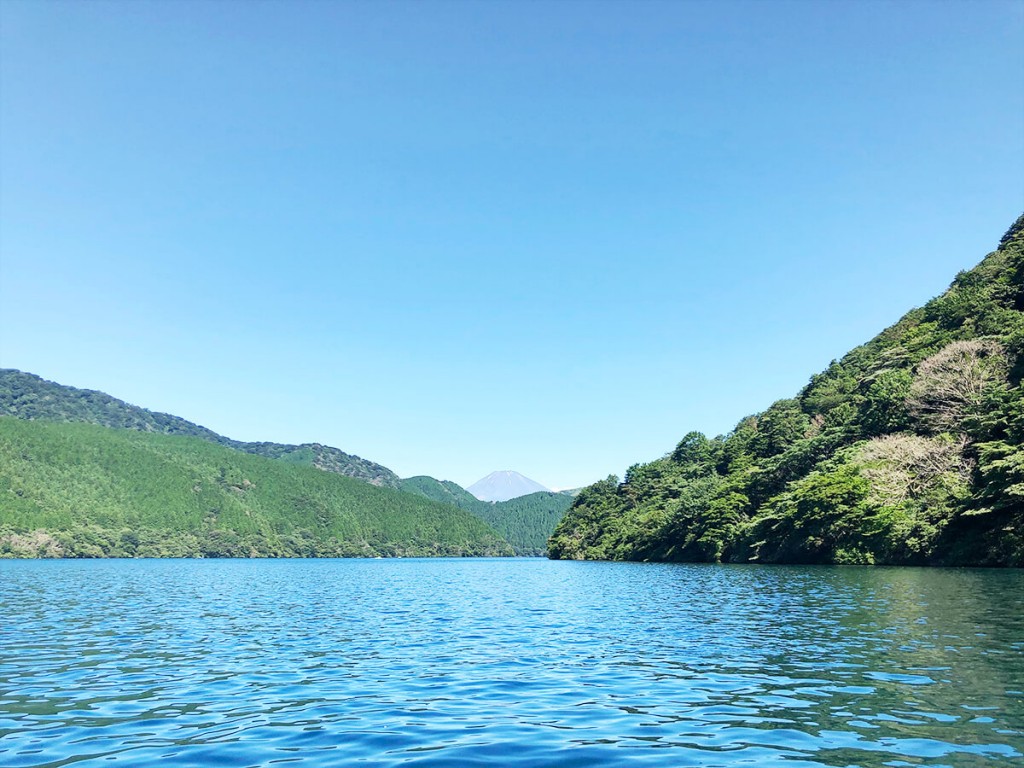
(458, 237)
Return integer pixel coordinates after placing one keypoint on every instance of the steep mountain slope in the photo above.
(27, 396)
(504, 485)
(81, 490)
(442, 490)
(526, 522)
(908, 450)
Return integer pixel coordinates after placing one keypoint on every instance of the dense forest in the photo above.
(908, 450)
(103, 511)
(27, 396)
(81, 490)
(526, 522)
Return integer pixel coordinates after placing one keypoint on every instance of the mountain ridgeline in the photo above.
(908, 450)
(27, 396)
(83, 474)
(82, 490)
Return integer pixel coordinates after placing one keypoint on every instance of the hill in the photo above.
(444, 491)
(82, 490)
(27, 396)
(908, 450)
(526, 522)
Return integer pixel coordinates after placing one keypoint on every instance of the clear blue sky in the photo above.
(459, 237)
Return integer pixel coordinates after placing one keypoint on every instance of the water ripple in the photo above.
(516, 662)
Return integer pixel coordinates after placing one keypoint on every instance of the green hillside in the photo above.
(442, 490)
(81, 490)
(27, 396)
(908, 450)
(526, 522)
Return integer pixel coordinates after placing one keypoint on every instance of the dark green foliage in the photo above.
(908, 450)
(590, 531)
(525, 522)
(773, 474)
(811, 522)
(528, 521)
(778, 428)
(80, 490)
(694, 449)
(30, 397)
(884, 408)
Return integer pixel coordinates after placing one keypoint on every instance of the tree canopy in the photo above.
(910, 449)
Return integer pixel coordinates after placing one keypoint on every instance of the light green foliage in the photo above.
(88, 491)
(908, 450)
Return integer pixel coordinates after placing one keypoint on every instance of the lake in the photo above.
(521, 662)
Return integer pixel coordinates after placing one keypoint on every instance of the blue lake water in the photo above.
(507, 662)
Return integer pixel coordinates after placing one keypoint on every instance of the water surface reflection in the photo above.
(517, 662)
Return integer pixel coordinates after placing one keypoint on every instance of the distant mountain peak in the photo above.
(504, 485)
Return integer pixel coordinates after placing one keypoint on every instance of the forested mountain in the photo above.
(526, 522)
(27, 396)
(908, 450)
(82, 490)
(442, 490)
(101, 520)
